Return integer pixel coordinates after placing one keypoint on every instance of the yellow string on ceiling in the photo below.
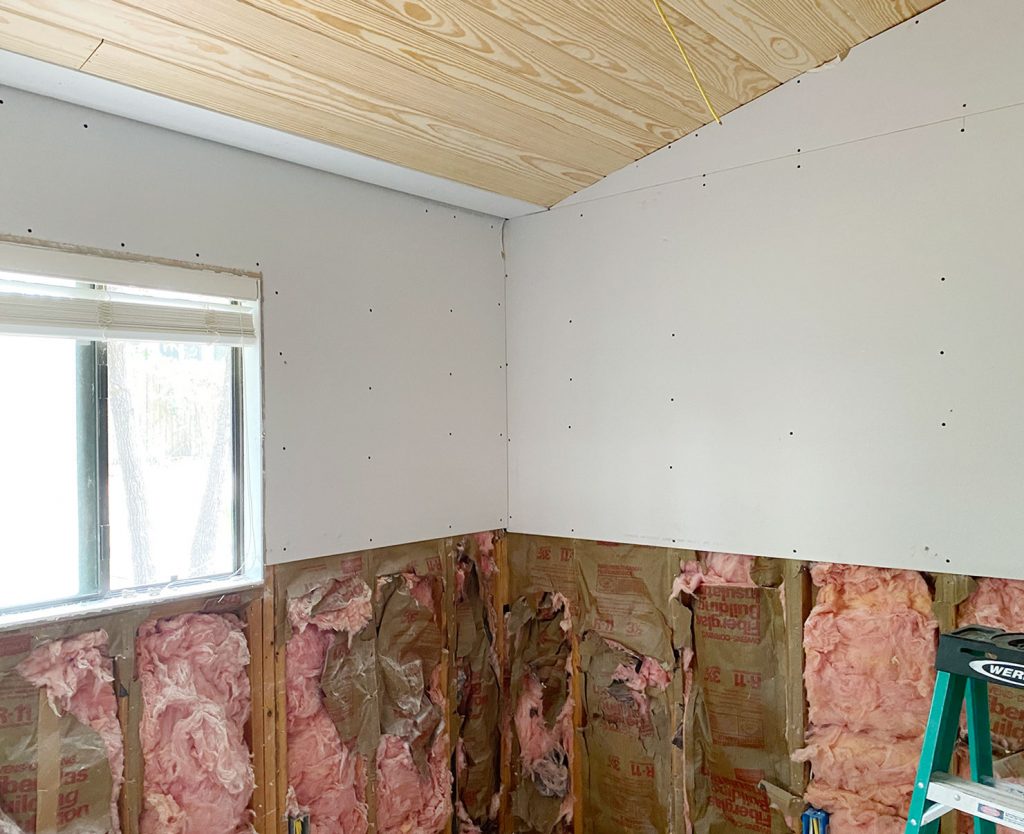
(689, 66)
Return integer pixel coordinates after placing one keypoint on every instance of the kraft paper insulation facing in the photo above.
(413, 765)
(377, 641)
(595, 622)
(542, 711)
(540, 708)
(198, 776)
(74, 725)
(633, 639)
(327, 777)
(643, 689)
(735, 732)
(870, 654)
(477, 688)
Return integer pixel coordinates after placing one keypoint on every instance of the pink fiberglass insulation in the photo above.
(327, 778)
(713, 569)
(860, 764)
(195, 694)
(649, 675)
(544, 749)
(410, 801)
(870, 652)
(78, 677)
(342, 605)
(485, 547)
(686, 665)
(870, 646)
(996, 602)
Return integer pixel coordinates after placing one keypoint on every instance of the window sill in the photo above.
(80, 609)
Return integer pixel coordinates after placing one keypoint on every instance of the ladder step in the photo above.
(1002, 804)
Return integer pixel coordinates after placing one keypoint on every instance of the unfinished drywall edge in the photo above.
(65, 84)
(808, 357)
(432, 350)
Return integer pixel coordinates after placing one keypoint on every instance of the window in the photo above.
(129, 436)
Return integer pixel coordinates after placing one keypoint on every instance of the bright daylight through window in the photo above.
(129, 436)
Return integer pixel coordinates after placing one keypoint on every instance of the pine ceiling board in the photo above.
(655, 120)
(878, 15)
(127, 66)
(923, 5)
(581, 35)
(593, 36)
(379, 127)
(384, 68)
(824, 26)
(749, 32)
(568, 40)
(50, 43)
(480, 70)
(263, 61)
(729, 78)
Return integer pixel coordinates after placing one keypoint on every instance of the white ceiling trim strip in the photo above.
(34, 76)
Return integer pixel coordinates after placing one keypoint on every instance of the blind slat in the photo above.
(102, 317)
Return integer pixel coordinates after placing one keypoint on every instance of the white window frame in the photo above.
(118, 273)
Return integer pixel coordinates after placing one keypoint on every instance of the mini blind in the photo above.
(76, 298)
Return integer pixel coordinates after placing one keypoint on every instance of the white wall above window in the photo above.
(382, 319)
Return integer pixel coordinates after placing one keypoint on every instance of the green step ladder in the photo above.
(968, 660)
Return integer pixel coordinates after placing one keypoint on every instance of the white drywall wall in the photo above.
(380, 427)
(798, 333)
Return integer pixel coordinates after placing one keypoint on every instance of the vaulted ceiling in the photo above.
(532, 99)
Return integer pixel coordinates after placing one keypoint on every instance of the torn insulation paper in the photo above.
(478, 696)
(542, 712)
(78, 676)
(628, 740)
(633, 638)
(196, 702)
(413, 775)
(327, 776)
(734, 734)
(70, 735)
(870, 654)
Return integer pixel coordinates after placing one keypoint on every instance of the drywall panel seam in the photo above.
(504, 301)
(801, 152)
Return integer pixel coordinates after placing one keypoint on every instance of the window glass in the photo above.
(172, 462)
(39, 471)
(130, 456)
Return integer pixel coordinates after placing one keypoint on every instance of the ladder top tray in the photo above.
(988, 654)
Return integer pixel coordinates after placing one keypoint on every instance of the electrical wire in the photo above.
(689, 66)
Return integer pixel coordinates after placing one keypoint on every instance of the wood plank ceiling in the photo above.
(532, 99)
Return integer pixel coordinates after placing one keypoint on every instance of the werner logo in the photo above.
(1008, 673)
